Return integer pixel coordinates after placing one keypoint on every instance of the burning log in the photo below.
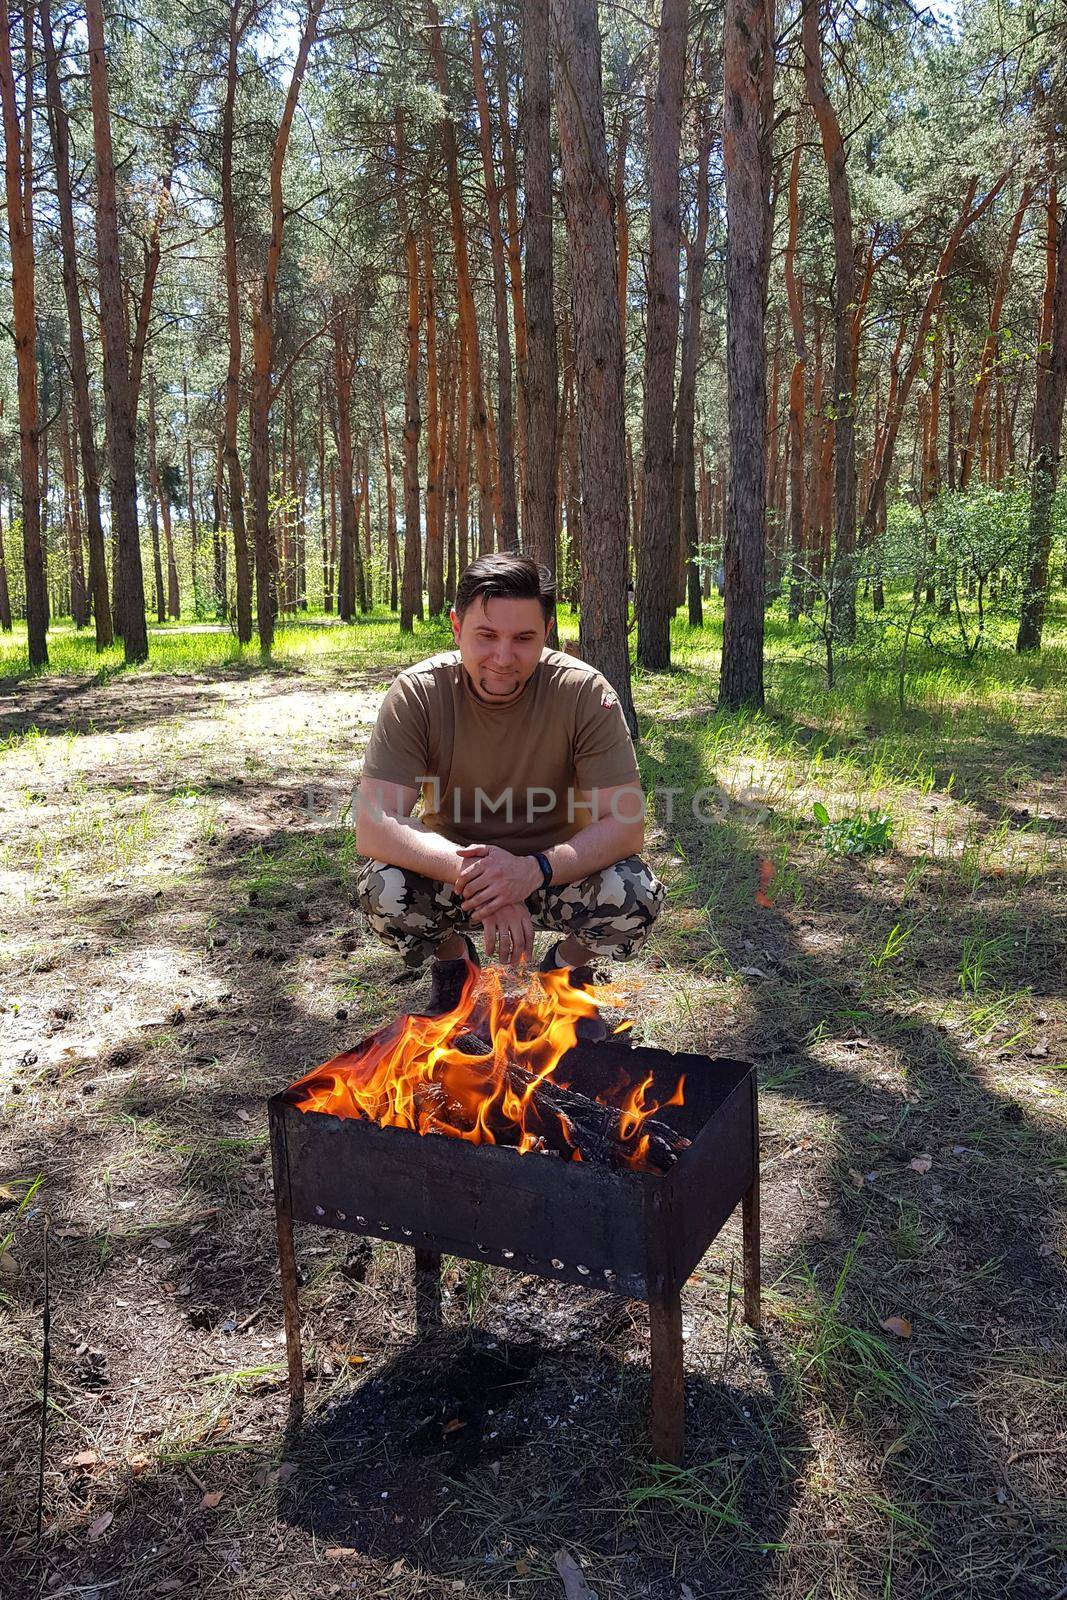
(556, 1117)
(592, 1127)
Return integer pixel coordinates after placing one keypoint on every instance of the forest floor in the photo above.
(177, 942)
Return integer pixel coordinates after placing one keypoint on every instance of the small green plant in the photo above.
(477, 1287)
(871, 835)
(906, 1237)
(978, 954)
(895, 941)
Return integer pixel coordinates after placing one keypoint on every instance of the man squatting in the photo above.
(532, 809)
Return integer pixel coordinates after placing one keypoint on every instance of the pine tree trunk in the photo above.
(118, 392)
(44, 482)
(19, 190)
(450, 461)
(797, 388)
(748, 105)
(235, 477)
(514, 246)
(390, 506)
(931, 467)
(685, 454)
(591, 249)
(324, 540)
(463, 459)
(263, 352)
(79, 367)
(174, 603)
(989, 348)
(464, 292)
(153, 499)
(79, 599)
(194, 532)
(5, 592)
(622, 221)
(773, 448)
(657, 546)
(542, 377)
(843, 590)
(364, 593)
(411, 574)
(331, 582)
(505, 424)
(411, 582)
(1048, 425)
(173, 594)
(435, 575)
(218, 542)
(343, 362)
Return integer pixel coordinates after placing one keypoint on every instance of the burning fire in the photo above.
(486, 1073)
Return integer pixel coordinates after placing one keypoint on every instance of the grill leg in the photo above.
(290, 1308)
(750, 1252)
(667, 1420)
(427, 1290)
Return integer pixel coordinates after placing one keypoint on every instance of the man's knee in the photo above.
(631, 887)
(383, 890)
(616, 908)
(407, 911)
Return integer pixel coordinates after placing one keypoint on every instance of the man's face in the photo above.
(500, 644)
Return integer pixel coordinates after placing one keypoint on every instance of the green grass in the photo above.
(709, 1494)
(309, 643)
(850, 1369)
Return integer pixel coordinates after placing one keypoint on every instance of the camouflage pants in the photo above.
(611, 912)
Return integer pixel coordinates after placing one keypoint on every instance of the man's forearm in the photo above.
(406, 842)
(595, 847)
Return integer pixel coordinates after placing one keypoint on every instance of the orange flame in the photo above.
(484, 1072)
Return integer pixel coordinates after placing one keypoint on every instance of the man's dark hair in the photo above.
(506, 577)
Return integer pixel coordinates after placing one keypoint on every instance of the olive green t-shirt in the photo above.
(515, 775)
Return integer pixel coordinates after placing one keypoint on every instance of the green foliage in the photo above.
(895, 941)
(855, 836)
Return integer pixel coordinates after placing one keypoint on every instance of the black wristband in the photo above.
(546, 867)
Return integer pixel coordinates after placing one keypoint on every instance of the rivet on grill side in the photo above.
(320, 1211)
(341, 1217)
(406, 1232)
(583, 1270)
(509, 1255)
(557, 1264)
(483, 1249)
(608, 1272)
(383, 1227)
(361, 1220)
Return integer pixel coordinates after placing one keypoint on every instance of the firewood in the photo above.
(560, 1117)
(566, 1119)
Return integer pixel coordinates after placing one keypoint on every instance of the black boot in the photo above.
(447, 979)
(587, 1030)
